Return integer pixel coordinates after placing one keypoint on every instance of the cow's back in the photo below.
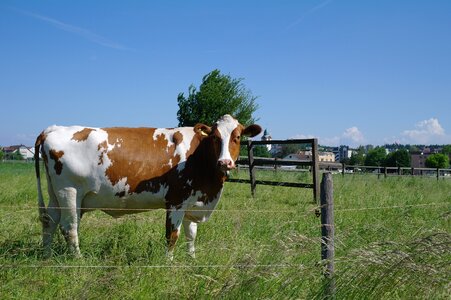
(108, 163)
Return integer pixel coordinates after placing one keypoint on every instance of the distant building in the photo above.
(418, 160)
(342, 153)
(26, 152)
(307, 155)
(267, 137)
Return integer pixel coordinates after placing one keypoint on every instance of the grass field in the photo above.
(393, 241)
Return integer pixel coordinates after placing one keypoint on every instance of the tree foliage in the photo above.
(258, 151)
(437, 160)
(376, 157)
(217, 95)
(14, 155)
(2, 154)
(446, 150)
(358, 157)
(398, 158)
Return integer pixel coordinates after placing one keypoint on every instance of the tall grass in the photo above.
(392, 241)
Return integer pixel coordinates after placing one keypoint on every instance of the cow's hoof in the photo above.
(170, 256)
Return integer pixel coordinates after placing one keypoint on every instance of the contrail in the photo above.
(307, 13)
(84, 33)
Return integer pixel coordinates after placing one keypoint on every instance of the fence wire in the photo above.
(309, 211)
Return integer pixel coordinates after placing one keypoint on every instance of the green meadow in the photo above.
(393, 241)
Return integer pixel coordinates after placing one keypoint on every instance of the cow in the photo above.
(122, 170)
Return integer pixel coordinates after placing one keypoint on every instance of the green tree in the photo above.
(446, 150)
(261, 151)
(218, 95)
(398, 158)
(376, 157)
(2, 154)
(14, 155)
(258, 151)
(358, 157)
(437, 160)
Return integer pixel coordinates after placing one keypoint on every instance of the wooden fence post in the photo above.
(385, 172)
(250, 155)
(327, 234)
(438, 174)
(343, 169)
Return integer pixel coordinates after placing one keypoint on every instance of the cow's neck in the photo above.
(201, 168)
(206, 161)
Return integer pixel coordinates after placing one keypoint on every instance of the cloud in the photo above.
(84, 33)
(351, 136)
(302, 136)
(426, 132)
(354, 135)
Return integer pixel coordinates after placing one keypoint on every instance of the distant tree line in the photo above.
(378, 156)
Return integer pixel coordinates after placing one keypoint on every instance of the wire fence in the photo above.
(263, 211)
(169, 265)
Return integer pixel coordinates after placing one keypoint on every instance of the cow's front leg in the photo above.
(173, 223)
(190, 234)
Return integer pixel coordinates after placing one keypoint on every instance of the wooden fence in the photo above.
(254, 162)
(386, 171)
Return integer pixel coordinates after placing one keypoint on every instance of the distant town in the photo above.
(388, 155)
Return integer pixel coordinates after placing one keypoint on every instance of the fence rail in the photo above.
(264, 163)
(388, 171)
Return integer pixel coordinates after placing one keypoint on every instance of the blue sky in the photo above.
(347, 72)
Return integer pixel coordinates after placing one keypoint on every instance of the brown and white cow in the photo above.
(128, 170)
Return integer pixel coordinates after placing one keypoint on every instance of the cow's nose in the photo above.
(226, 164)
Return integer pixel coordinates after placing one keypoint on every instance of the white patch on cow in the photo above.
(166, 133)
(226, 125)
(182, 148)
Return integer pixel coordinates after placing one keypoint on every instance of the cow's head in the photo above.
(225, 136)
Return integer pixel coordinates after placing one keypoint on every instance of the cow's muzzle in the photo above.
(226, 165)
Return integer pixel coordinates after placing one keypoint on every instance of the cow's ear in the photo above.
(202, 129)
(252, 130)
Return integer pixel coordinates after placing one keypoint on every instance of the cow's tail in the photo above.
(41, 204)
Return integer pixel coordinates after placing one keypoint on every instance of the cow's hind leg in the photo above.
(50, 221)
(70, 202)
(190, 234)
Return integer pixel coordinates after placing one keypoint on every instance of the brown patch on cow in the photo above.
(82, 135)
(139, 158)
(56, 156)
(234, 143)
(103, 147)
(177, 138)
